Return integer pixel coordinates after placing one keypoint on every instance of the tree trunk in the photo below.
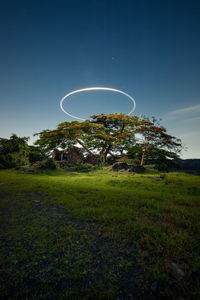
(102, 154)
(112, 154)
(122, 129)
(78, 141)
(142, 159)
(143, 154)
(106, 153)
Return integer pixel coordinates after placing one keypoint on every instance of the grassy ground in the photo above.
(99, 235)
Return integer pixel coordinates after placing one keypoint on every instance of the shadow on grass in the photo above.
(47, 254)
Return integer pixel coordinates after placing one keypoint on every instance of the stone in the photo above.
(120, 166)
(130, 168)
(136, 169)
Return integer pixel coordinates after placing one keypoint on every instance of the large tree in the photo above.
(155, 143)
(103, 135)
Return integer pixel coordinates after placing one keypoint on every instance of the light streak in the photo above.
(95, 89)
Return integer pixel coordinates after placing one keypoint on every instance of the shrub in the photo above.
(36, 154)
(14, 152)
(93, 160)
(111, 160)
(83, 167)
(28, 169)
(46, 164)
(129, 161)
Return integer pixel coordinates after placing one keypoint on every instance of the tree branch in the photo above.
(81, 143)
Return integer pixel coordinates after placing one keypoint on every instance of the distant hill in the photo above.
(190, 165)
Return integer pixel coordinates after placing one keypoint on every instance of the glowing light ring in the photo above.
(95, 89)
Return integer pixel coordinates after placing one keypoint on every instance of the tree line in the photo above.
(108, 136)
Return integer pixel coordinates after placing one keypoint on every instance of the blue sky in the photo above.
(149, 49)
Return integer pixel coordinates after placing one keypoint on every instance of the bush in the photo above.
(167, 165)
(129, 161)
(83, 167)
(37, 154)
(2, 166)
(111, 160)
(28, 169)
(151, 169)
(63, 164)
(14, 152)
(46, 164)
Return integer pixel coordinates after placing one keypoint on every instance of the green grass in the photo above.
(99, 235)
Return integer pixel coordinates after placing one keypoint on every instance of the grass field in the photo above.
(99, 235)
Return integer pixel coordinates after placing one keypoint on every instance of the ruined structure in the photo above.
(71, 155)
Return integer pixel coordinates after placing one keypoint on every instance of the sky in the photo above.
(148, 49)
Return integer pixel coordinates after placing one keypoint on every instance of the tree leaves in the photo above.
(109, 134)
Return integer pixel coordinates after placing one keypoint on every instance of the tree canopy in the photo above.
(112, 135)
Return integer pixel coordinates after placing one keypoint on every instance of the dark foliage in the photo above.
(47, 164)
(14, 152)
(93, 159)
(126, 167)
(37, 154)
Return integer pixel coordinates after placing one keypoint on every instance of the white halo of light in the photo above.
(95, 89)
